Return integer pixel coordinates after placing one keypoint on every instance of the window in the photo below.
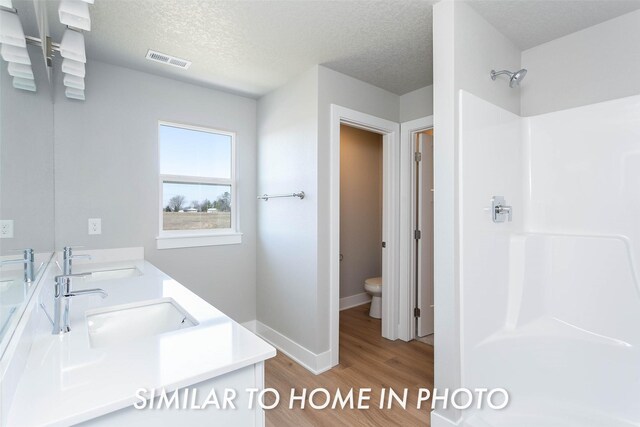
(197, 187)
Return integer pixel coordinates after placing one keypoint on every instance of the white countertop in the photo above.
(66, 381)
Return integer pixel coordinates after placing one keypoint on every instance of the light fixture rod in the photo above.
(51, 47)
(33, 41)
(38, 42)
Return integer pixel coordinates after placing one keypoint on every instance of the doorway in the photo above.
(416, 266)
(361, 194)
(390, 242)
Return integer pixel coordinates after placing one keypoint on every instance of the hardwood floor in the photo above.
(366, 360)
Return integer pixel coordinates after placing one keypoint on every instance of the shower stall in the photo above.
(550, 301)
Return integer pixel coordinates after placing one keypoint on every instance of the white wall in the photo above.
(416, 104)
(287, 228)
(491, 163)
(106, 160)
(596, 64)
(584, 171)
(360, 208)
(26, 169)
(466, 48)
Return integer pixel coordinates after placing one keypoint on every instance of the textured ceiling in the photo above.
(253, 47)
(528, 23)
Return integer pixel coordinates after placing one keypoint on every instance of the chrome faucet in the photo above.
(67, 257)
(28, 260)
(62, 293)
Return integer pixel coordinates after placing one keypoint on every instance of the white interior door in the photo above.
(424, 245)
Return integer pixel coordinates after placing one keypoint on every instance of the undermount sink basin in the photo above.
(121, 324)
(114, 274)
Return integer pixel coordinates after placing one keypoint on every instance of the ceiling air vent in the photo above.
(163, 58)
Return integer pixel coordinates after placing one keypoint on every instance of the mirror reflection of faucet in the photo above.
(28, 259)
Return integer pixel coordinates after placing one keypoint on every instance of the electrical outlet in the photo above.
(6, 229)
(95, 226)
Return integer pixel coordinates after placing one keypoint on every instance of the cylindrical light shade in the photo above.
(74, 93)
(15, 54)
(73, 81)
(72, 46)
(75, 68)
(20, 70)
(75, 13)
(24, 84)
(11, 29)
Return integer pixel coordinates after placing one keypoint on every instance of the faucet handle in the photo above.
(67, 252)
(28, 253)
(69, 276)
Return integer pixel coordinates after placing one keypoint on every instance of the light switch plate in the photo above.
(95, 226)
(6, 229)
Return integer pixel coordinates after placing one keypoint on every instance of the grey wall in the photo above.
(360, 208)
(287, 228)
(596, 64)
(26, 168)
(416, 104)
(293, 242)
(106, 159)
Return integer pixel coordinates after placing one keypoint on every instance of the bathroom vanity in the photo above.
(148, 335)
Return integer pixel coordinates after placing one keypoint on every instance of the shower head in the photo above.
(514, 78)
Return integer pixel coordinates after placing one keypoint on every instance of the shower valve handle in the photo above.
(504, 210)
(500, 212)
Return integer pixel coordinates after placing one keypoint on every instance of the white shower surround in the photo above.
(550, 303)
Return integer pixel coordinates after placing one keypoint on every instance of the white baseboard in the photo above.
(315, 363)
(250, 325)
(438, 420)
(354, 300)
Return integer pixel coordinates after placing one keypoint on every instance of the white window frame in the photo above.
(171, 239)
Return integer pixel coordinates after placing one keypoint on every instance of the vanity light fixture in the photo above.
(74, 82)
(75, 68)
(72, 46)
(13, 49)
(20, 70)
(16, 54)
(75, 13)
(24, 84)
(72, 93)
(11, 32)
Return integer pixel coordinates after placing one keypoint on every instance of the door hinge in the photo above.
(417, 234)
(417, 156)
(416, 312)
(384, 244)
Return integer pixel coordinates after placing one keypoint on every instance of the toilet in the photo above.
(373, 286)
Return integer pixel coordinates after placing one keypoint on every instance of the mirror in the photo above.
(26, 181)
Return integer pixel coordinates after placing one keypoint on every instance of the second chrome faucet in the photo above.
(63, 292)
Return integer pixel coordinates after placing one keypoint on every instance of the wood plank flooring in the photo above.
(366, 360)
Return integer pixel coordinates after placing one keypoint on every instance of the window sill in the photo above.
(197, 240)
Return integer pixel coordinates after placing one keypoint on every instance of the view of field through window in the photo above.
(207, 207)
(186, 157)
